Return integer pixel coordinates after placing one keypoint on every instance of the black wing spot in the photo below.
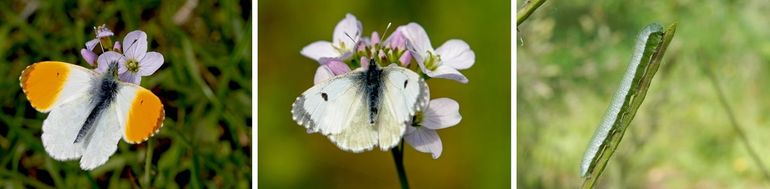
(57, 74)
(326, 97)
(405, 82)
(141, 102)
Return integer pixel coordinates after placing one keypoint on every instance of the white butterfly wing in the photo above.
(330, 107)
(62, 126)
(103, 141)
(50, 84)
(337, 108)
(404, 93)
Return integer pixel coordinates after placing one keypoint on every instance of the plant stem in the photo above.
(147, 164)
(734, 122)
(527, 10)
(398, 158)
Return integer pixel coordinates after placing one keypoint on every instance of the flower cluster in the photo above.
(133, 61)
(349, 49)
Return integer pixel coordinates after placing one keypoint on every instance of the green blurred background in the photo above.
(476, 151)
(205, 85)
(571, 56)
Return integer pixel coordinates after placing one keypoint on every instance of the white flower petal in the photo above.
(107, 58)
(457, 54)
(319, 49)
(349, 26)
(417, 40)
(322, 74)
(441, 113)
(425, 140)
(446, 72)
(151, 62)
(90, 45)
(135, 44)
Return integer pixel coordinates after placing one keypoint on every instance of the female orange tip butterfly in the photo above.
(88, 111)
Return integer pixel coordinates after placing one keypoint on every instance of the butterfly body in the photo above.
(363, 108)
(104, 88)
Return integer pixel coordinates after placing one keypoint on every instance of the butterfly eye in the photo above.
(326, 97)
(405, 82)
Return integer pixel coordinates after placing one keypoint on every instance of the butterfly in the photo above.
(363, 108)
(88, 111)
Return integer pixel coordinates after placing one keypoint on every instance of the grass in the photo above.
(205, 85)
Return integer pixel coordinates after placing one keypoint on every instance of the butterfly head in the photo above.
(112, 70)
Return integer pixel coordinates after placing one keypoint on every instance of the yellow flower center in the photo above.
(132, 65)
(432, 61)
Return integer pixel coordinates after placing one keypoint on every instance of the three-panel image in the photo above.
(384, 94)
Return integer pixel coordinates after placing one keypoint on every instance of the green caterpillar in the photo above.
(650, 46)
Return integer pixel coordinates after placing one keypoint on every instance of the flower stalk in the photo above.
(398, 158)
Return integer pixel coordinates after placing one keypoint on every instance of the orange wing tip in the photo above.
(35, 99)
(157, 130)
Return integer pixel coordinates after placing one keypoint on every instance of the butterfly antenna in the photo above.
(382, 37)
(100, 40)
(351, 38)
(130, 44)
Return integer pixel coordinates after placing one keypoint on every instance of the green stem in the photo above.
(147, 164)
(527, 10)
(398, 158)
(734, 122)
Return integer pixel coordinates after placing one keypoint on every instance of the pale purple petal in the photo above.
(424, 140)
(90, 45)
(319, 49)
(103, 31)
(396, 40)
(441, 113)
(130, 77)
(417, 40)
(362, 43)
(364, 63)
(109, 57)
(445, 72)
(457, 54)
(151, 62)
(346, 55)
(406, 58)
(375, 38)
(382, 54)
(116, 47)
(350, 26)
(335, 65)
(322, 74)
(89, 56)
(136, 45)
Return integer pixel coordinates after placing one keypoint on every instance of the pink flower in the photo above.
(138, 61)
(440, 113)
(405, 58)
(116, 47)
(396, 40)
(88, 52)
(346, 34)
(329, 68)
(375, 38)
(443, 62)
(89, 56)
